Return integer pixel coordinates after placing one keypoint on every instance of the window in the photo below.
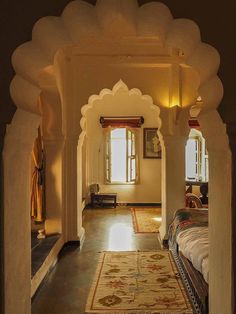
(121, 160)
(196, 157)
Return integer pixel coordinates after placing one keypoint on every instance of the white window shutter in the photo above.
(108, 157)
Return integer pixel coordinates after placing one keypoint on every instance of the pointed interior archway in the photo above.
(120, 101)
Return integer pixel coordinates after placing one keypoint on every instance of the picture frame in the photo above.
(151, 143)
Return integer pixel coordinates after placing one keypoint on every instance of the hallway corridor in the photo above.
(66, 288)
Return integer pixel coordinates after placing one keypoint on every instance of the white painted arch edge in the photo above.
(118, 87)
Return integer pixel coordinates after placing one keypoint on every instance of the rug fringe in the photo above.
(94, 283)
(139, 312)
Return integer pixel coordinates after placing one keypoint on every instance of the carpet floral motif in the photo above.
(137, 282)
(146, 220)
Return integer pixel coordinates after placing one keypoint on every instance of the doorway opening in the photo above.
(115, 158)
(196, 167)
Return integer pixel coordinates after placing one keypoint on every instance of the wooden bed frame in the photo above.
(194, 281)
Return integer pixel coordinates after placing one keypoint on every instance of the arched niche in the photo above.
(85, 27)
(53, 138)
(18, 146)
(17, 154)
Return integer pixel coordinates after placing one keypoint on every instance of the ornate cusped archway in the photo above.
(112, 20)
(120, 101)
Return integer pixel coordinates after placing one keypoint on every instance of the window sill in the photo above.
(121, 183)
(195, 182)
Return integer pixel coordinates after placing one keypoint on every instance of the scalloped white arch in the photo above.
(119, 86)
(114, 18)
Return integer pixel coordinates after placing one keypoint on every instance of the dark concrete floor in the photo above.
(66, 288)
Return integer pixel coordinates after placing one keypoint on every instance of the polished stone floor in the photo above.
(66, 288)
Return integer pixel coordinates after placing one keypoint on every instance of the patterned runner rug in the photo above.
(146, 220)
(137, 283)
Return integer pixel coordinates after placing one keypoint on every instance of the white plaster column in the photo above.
(80, 179)
(220, 212)
(173, 179)
(231, 131)
(220, 233)
(53, 149)
(18, 145)
(73, 217)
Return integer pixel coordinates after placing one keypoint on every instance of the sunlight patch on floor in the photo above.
(120, 237)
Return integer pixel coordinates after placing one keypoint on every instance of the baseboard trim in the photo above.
(89, 206)
(139, 204)
(72, 243)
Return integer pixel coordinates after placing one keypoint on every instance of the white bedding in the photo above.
(194, 245)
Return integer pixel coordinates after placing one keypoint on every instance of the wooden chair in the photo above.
(193, 201)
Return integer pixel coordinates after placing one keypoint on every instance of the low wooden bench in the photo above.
(103, 199)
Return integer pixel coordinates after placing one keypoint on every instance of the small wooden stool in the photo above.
(101, 199)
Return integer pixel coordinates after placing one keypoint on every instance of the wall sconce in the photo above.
(199, 99)
(197, 107)
(175, 113)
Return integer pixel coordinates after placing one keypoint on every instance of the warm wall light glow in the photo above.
(175, 112)
(199, 99)
(174, 105)
(120, 238)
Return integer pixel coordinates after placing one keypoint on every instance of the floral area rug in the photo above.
(137, 283)
(146, 220)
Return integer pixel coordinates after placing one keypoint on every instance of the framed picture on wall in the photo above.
(151, 143)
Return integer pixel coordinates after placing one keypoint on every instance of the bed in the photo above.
(188, 241)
